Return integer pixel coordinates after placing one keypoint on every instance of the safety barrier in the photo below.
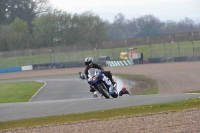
(119, 63)
(16, 69)
(47, 66)
(154, 60)
(64, 65)
(181, 58)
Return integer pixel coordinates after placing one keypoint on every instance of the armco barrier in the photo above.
(47, 66)
(26, 68)
(154, 60)
(181, 58)
(57, 65)
(10, 69)
(62, 65)
(16, 69)
(119, 63)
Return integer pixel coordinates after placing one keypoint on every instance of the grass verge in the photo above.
(144, 85)
(18, 91)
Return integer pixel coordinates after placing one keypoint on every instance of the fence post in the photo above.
(83, 54)
(164, 50)
(68, 55)
(54, 58)
(126, 48)
(113, 52)
(192, 49)
(49, 56)
(94, 54)
(178, 49)
(97, 54)
(171, 49)
(97, 51)
(150, 50)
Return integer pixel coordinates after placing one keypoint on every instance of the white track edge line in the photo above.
(38, 90)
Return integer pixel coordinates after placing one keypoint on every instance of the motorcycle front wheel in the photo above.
(115, 95)
(102, 88)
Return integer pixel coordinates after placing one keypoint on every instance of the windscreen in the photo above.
(92, 72)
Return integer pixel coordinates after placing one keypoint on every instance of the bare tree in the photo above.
(148, 25)
(118, 29)
(186, 25)
(132, 27)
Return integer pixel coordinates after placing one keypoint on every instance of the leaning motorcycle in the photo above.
(96, 79)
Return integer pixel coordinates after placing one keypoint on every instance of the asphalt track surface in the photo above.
(61, 87)
(55, 88)
(70, 94)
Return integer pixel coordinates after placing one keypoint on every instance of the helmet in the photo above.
(88, 61)
(123, 88)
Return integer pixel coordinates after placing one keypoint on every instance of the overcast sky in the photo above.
(107, 9)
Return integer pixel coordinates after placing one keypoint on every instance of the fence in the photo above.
(165, 38)
(163, 46)
(177, 49)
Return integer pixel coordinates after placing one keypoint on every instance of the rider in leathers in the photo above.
(90, 64)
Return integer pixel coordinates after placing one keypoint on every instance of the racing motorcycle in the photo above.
(101, 83)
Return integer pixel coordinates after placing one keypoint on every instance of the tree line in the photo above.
(28, 24)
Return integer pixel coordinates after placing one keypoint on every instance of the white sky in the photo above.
(107, 9)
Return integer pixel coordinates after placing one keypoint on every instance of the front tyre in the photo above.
(115, 94)
(102, 88)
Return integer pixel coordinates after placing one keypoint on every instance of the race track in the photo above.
(173, 79)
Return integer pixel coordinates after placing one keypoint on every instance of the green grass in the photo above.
(18, 91)
(186, 49)
(103, 114)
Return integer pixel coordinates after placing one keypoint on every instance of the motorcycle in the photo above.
(101, 83)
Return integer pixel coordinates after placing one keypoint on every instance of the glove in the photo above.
(89, 81)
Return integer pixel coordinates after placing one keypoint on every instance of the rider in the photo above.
(90, 64)
(124, 91)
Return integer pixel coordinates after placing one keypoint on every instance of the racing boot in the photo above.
(95, 95)
(113, 82)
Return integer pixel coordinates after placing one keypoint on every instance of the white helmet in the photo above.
(88, 61)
